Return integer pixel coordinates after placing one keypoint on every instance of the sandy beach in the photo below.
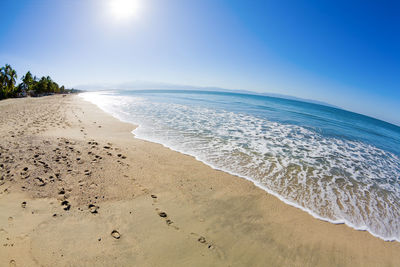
(77, 189)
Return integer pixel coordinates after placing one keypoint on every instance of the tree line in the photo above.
(30, 85)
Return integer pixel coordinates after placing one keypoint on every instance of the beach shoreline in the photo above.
(168, 208)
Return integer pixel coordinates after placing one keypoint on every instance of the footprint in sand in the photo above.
(202, 239)
(167, 221)
(66, 205)
(115, 234)
(39, 181)
(210, 246)
(145, 190)
(121, 156)
(93, 208)
(24, 173)
(162, 214)
(154, 197)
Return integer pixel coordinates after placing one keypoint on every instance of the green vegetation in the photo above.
(29, 85)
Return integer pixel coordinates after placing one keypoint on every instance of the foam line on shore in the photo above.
(259, 185)
(256, 183)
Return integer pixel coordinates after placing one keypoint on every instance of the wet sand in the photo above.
(77, 189)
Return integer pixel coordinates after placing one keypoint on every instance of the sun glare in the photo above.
(124, 9)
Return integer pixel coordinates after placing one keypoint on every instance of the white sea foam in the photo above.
(333, 179)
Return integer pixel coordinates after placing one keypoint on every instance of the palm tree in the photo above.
(8, 79)
(12, 80)
(2, 82)
(3, 76)
(27, 81)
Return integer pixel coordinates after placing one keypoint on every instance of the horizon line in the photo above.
(237, 91)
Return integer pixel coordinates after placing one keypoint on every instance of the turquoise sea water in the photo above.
(338, 166)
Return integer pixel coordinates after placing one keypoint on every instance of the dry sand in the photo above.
(77, 189)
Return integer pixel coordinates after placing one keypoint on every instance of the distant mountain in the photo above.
(143, 85)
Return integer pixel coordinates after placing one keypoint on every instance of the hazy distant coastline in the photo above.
(140, 85)
(137, 86)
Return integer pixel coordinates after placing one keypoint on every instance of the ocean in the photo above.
(338, 166)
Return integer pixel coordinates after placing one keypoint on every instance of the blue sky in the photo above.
(345, 53)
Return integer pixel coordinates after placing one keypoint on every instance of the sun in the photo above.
(124, 9)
